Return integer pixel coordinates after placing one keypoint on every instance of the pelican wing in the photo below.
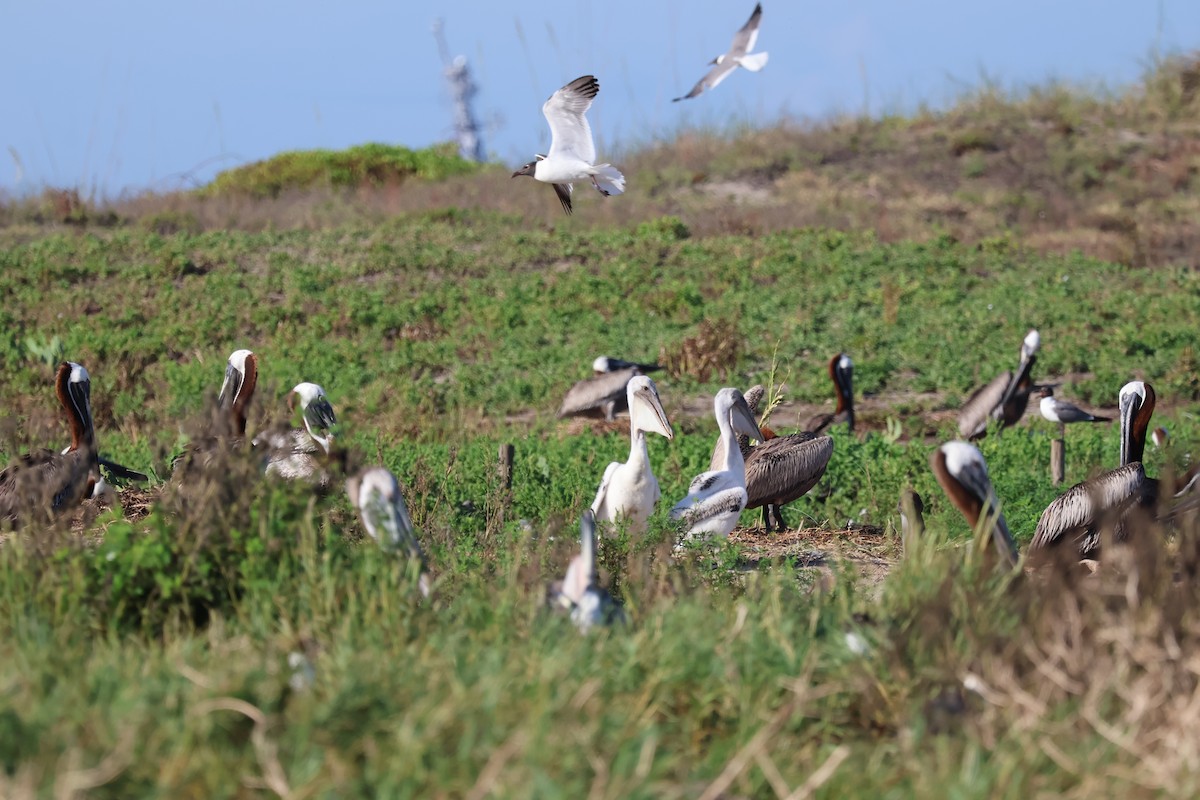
(602, 492)
(592, 393)
(974, 415)
(718, 510)
(784, 469)
(1080, 511)
(570, 134)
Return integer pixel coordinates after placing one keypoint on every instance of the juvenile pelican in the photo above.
(753, 397)
(1077, 517)
(572, 151)
(841, 370)
(578, 594)
(960, 469)
(716, 498)
(45, 480)
(739, 55)
(630, 491)
(297, 452)
(376, 495)
(1005, 398)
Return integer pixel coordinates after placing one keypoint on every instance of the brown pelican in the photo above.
(572, 153)
(783, 469)
(241, 376)
(1077, 517)
(53, 481)
(960, 469)
(1005, 398)
(715, 499)
(298, 452)
(376, 495)
(237, 390)
(1160, 437)
(630, 491)
(739, 55)
(912, 519)
(1061, 411)
(578, 593)
(841, 370)
(604, 392)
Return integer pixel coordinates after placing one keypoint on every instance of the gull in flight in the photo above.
(739, 55)
(572, 152)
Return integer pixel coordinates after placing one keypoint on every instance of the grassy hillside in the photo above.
(229, 636)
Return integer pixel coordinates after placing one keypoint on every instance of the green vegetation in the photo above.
(365, 165)
(228, 636)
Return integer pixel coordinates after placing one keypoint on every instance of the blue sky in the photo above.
(127, 94)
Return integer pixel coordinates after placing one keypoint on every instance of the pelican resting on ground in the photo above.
(572, 153)
(1005, 398)
(630, 491)
(298, 452)
(1076, 519)
(43, 480)
(841, 370)
(233, 402)
(578, 593)
(605, 391)
(739, 55)
(376, 495)
(716, 498)
(962, 472)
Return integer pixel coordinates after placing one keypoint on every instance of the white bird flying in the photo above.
(739, 55)
(572, 152)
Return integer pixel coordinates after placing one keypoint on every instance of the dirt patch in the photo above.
(868, 550)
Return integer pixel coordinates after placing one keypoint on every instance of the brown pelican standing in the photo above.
(578, 593)
(960, 469)
(783, 469)
(841, 370)
(1077, 517)
(604, 392)
(630, 491)
(715, 499)
(52, 481)
(376, 495)
(1062, 412)
(1004, 399)
(298, 452)
(739, 55)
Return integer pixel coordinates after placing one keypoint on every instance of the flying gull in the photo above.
(572, 152)
(739, 55)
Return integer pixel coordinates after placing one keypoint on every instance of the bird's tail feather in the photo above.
(753, 61)
(608, 179)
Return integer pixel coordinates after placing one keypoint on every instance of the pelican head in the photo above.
(841, 368)
(74, 388)
(645, 409)
(319, 418)
(1033, 340)
(730, 405)
(241, 375)
(1136, 406)
(1160, 436)
(962, 472)
(376, 495)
